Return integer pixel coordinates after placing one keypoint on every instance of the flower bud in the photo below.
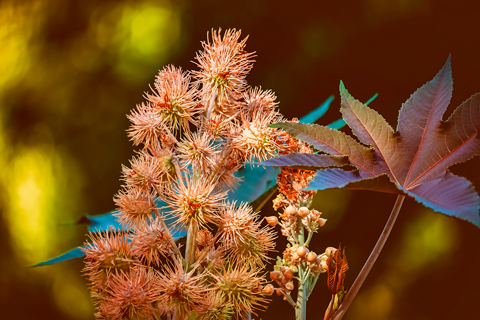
(324, 265)
(312, 256)
(302, 251)
(321, 222)
(289, 286)
(272, 220)
(295, 256)
(278, 292)
(329, 251)
(303, 212)
(269, 289)
(287, 272)
(274, 275)
(290, 210)
(283, 281)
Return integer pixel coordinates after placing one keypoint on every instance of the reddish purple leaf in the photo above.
(419, 118)
(338, 178)
(336, 143)
(415, 158)
(451, 195)
(307, 161)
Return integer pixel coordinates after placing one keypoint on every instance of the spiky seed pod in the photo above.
(107, 253)
(134, 205)
(257, 99)
(226, 173)
(241, 287)
(213, 259)
(257, 141)
(197, 149)
(303, 212)
(181, 290)
(130, 295)
(240, 229)
(145, 172)
(203, 238)
(174, 97)
(147, 125)
(150, 241)
(223, 67)
(236, 223)
(215, 308)
(195, 201)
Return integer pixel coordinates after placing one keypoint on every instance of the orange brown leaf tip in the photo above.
(337, 267)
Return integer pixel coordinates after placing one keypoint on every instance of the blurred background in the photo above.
(71, 70)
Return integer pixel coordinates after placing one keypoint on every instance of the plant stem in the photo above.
(371, 259)
(301, 308)
(191, 243)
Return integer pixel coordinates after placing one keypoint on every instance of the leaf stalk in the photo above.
(371, 259)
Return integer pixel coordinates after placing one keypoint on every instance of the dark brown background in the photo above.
(71, 70)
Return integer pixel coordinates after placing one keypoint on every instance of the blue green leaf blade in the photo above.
(316, 114)
(70, 255)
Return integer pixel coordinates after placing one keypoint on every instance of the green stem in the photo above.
(191, 243)
(301, 308)
(371, 259)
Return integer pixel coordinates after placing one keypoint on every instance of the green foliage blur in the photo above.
(71, 70)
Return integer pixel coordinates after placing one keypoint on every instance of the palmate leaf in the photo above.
(414, 160)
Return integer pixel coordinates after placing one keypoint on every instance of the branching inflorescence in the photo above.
(196, 129)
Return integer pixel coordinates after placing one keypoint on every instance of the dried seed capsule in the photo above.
(289, 286)
(302, 251)
(312, 256)
(295, 256)
(329, 251)
(269, 289)
(287, 272)
(274, 275)
(303, 212)
(272, 220)
(290, 210)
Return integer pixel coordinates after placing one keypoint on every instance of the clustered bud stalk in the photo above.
(298, 223)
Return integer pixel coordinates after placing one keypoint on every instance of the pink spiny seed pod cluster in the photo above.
(195, 130)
